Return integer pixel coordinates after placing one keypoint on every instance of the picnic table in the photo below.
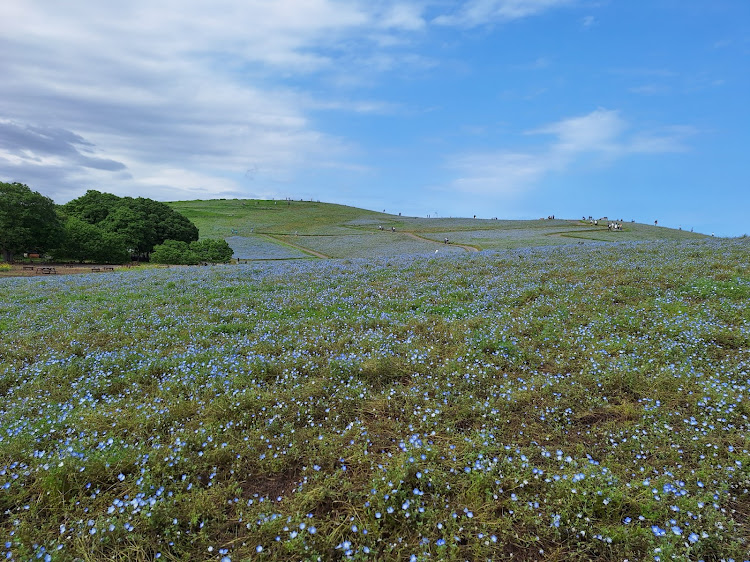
(46, 270)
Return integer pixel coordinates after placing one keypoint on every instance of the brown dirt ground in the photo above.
(22, 269)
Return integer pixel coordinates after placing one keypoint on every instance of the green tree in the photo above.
(112, 250)
(141, 222)
(83, 241)
(174, 252)
(93, 207)
(132, 227)
(28, 221)
(210, 250)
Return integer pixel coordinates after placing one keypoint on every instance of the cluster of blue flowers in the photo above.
(405, 406)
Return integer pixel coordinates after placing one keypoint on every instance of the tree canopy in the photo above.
(28, 221)
(211, 250)
(141, 223)
(181, 253)
(83, 241)
(99, 227)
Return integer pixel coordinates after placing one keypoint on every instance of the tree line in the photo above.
(100, 227)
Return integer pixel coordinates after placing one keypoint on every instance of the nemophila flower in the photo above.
(203, 371)
(693, 538)
(658, 531)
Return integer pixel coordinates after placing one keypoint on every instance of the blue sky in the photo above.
(496, 108)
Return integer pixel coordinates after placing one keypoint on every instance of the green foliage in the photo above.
(141, 223)
(175, 252)
(210, 250)
(93, 207)
(82, 241)
(28, 221)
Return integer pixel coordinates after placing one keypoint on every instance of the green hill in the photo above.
(268, 229)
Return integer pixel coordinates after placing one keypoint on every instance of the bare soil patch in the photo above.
(39, 269)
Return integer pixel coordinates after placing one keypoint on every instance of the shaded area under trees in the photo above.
(28, 221)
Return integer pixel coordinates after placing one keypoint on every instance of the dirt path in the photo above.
(571, 234)
(301, 248)
(417, 237)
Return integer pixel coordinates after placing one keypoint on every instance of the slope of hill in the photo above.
(553, 403)
(263, 229)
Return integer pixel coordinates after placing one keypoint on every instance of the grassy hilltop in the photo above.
(297, 229)
(585, 402)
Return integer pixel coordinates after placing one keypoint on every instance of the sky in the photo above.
(516, 109)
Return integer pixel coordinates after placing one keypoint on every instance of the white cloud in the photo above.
(192, 87)
(403, 16)
(650, 89)
(597, 131)
(503, 173)
(598, 136)
(482, 12)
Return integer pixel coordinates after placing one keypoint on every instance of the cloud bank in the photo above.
(602, 136)
(179, 98)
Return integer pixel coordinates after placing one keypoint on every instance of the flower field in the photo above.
(255, 247)
(558, 403)
(378, 244)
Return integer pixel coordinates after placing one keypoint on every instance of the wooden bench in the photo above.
(46, 270)
(28, 268)
(108, 268)
(93, 269)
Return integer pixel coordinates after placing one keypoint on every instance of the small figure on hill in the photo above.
(393, 229)
(656, 223)
(446, 240)
(380, 227)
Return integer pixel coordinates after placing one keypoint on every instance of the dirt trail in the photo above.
(302, 248)
(417, 237)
